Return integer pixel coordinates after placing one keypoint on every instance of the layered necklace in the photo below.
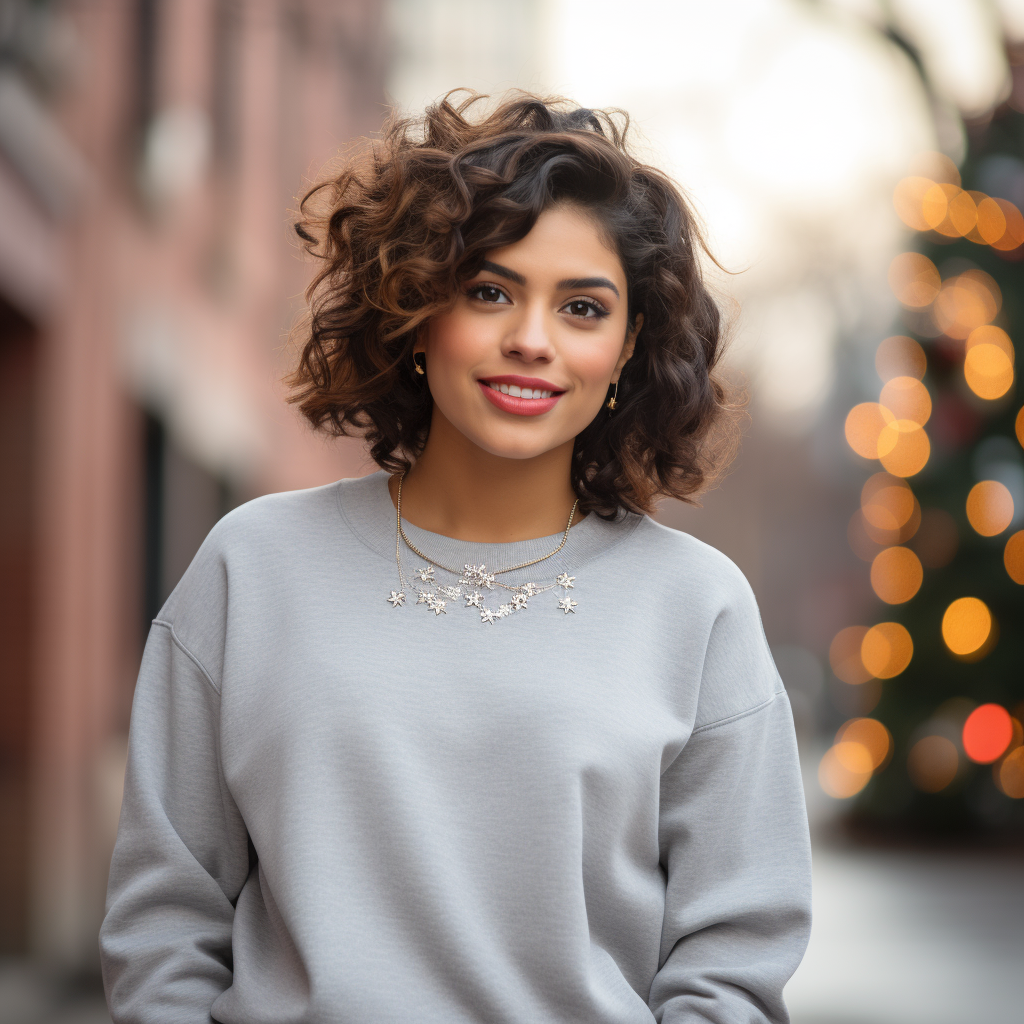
(470, 583)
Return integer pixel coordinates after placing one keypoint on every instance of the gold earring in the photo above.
(611, 401)
(420, 367)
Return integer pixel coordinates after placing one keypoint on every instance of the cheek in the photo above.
(593, 364)
(455, 341)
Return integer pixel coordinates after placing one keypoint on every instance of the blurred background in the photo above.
(860, 168)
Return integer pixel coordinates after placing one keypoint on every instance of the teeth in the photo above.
(517, 392)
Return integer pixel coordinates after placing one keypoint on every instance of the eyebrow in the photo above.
(567, 283)
(588, 282)
(497, 268)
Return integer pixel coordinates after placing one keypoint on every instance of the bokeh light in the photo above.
(870, 734)
(932, 763)
(900, 356)
(948, 209)
(989, 334)
(966, 625)
(1011, 774)
(845, 770)
(1013, 557)
(908, 199)
(887, 501)
(844, 655)
(990, 507)
(886, 649)
(865, 425)
(988, 371)
(1018, 425)
(965, 302)
(903, 447)
(907, 399)
(914, 280)
(987, 733)
(1013, 231)
(896, 575)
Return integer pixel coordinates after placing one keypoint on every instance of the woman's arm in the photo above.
(182, 852)
(734, 842)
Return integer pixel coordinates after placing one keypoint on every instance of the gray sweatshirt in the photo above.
(340, 810)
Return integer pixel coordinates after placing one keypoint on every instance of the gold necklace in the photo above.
(474, 578)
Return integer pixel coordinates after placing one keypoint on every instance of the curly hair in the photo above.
(413, 216)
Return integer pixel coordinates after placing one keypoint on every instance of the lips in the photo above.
(515, 394)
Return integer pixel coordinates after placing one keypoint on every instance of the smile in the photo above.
(521, 396)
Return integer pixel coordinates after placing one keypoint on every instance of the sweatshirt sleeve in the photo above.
(734, 842)
(182, 851)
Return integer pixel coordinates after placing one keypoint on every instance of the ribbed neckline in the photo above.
(366, 506)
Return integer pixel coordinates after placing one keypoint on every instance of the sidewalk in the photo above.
(913, 938)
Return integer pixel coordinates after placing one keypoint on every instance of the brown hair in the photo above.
(414, 215)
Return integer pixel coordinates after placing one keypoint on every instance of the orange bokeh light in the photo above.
(1013, 233)
(870, 734)
(989, 507)
(845, 770)
(900, 356)
(991, 224)
(886, 649)
(1013, 557)
(908, 198)
(887, 501)
(896, 575)
(988, 371)
(932, 763)
(844, 655)
(904, 448)
(966, 625)
(907, 399)
(987, 733)
(864, 426)
(989, 334)
(1011, 774)
(1018, 425)
(914, 280)
(965, 302)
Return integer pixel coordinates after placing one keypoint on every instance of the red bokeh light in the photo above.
(987, 733)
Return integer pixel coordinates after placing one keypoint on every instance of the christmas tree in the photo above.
(942, 664)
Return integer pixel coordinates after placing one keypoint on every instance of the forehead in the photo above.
(566, 241)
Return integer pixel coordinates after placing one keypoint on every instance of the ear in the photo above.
(628, 345)
(420, 344)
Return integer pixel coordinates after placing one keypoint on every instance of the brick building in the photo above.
(150, 151)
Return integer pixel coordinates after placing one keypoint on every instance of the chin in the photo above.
(517, 447)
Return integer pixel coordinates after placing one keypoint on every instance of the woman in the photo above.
(472, 739)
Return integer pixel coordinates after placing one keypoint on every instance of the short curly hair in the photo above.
(414, 214)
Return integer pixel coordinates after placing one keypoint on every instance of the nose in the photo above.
(530, 337)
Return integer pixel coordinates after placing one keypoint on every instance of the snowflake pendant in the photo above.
(567, 604)
(397, 599)
(477, 576)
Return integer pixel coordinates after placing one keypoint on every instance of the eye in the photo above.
(585, 309)
(489, 293)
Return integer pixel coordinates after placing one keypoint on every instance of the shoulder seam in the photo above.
(733, 718)
(176, 640)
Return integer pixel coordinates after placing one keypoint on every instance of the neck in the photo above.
(461, 491)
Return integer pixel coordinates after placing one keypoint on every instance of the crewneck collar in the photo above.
(366, 506)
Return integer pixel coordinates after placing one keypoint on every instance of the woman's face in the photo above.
(523, 361)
